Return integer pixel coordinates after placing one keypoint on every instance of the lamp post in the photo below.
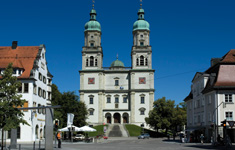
(215, 120)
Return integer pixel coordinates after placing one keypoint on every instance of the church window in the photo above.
(91, 99)
(116, 99)
(142, 111)
(124, 99)
(141, 43)
(96, 62)
(142, 99)
(92, 44)
(108, 99)
(137, 62)
(146, 62)
(91, 61)
(141, 60)
(91, 111)
(116, 82)
(86, 62)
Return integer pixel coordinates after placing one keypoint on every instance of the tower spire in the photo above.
(93, 4)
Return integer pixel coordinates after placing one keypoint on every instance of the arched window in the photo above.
(141, 60)
(86, 62)
(91, 111)
(142, 111)
(91, 61)
(96, 62)
(137, 62)
(91, 99)
(146, 61)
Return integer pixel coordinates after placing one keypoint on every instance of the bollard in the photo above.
(19, 146)
(39, 144)
(34, 145)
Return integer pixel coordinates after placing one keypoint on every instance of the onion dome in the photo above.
(141, 24)
(93, 25)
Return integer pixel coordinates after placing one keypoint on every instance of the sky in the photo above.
(184, 35)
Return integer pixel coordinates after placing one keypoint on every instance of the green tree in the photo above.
(10, 116)
(179, 117)
(69, 103)
(161, 115)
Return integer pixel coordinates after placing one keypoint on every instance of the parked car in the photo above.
(144, 136)
(79, 137)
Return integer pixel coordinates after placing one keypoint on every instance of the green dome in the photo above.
(141, 25)
(117, 63)
(92, 25)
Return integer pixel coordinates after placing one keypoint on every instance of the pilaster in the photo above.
(100, 114)
(132, 107)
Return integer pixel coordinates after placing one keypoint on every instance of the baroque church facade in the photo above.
(117, 94)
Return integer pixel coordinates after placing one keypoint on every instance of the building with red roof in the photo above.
(211, 99)
(30, 67)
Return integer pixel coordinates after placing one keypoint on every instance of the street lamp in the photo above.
(215, 124)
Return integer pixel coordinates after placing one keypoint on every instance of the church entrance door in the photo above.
(125, 118)
(117, 118)
(108, 117)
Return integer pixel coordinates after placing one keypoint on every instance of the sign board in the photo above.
(231, 123)
(105, 129)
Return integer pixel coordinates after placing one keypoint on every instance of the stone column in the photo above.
(132, 107)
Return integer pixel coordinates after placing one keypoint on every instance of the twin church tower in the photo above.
(117, 94)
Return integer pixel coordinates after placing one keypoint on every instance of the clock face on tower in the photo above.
(142, 80)
(91, 80)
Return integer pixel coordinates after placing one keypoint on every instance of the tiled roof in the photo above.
(21, 57)
(229, 57)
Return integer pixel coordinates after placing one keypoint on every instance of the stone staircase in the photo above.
(117, 130)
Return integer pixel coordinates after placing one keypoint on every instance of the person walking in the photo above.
(59, 139)
(202, 137)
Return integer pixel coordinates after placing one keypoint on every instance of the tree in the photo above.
(179, 117)
(10, 116)
(161, 115)
(69, 103)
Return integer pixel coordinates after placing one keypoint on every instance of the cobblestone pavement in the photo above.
(133, 144)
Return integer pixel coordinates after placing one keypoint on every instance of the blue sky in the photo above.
(185, 35)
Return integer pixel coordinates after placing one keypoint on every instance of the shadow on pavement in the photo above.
(210, 147)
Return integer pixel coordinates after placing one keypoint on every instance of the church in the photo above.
(116, 93)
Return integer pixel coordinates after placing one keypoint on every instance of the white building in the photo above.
(30, 67)
(211, 99)
(117, 94)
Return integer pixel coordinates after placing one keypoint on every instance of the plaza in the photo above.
(132, 143)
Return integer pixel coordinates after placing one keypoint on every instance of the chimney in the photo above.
(14, 45)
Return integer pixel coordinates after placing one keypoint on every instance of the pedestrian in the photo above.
(202, 137)
(59, 139)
